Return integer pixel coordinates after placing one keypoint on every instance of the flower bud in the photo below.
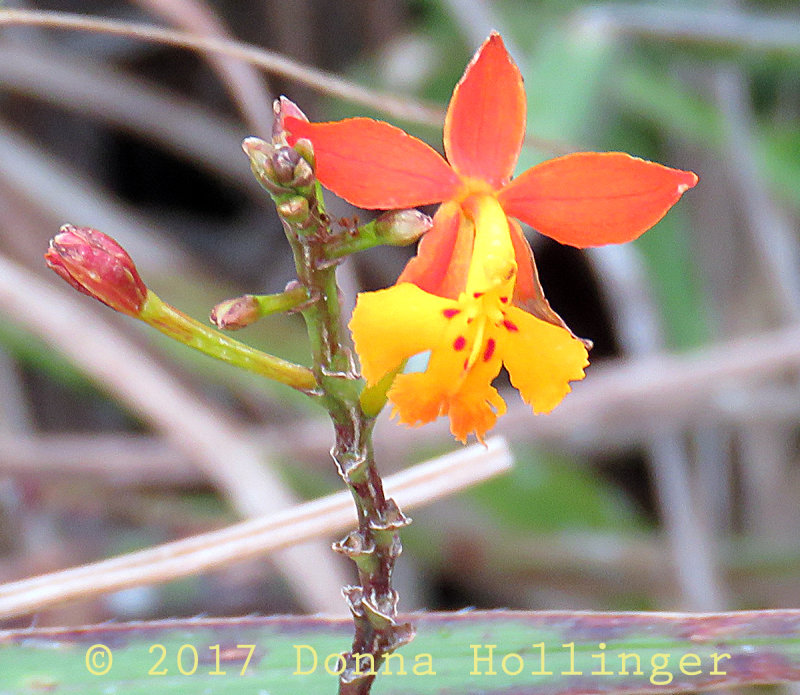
(281, 108)
(256, 148)
(279, 168)
(303, 174)
(95, 264)
(305, 148)
(236, 313)
(401, 227)
(284, 162)
(294, 210)
(260, 154)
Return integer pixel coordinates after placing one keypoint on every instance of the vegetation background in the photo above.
(668, 480)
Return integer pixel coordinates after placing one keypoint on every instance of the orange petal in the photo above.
(541, 359)
(591, 199)
(476, 412)
(527, 288)
(476, 406)
(419, 399)
(374, 165)
(443, 256)
(391, 325)
(485, 122)
(446, 388)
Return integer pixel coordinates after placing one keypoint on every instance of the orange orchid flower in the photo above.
(472, 295)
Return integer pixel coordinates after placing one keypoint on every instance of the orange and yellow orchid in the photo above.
(472, 295)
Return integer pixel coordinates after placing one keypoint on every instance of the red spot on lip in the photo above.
(477, 294)
(450, 313)
(489, 351)
(510, 325)
(459, 343)
(504, 300)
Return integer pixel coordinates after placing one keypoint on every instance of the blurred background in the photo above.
(667, 480)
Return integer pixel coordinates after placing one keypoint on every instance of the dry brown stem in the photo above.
(416, 486)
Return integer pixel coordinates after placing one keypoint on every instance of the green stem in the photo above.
(361, 239)
(282, 301)
(375, 545)
(199, 336)
(393, 228)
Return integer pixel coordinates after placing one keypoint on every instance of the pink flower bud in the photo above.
(95, 264)
(236, 313)
(283, 107)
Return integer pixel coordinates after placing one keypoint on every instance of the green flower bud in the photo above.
(305, 149)
(401, 227)
(294, 210)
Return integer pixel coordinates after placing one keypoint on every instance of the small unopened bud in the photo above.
(281, 108)
(303, 175)
(401, 227)
(294, 209)
(279, 168)
(284, 162)
(95, 264)
(305, 148)
(254, 145)
(236, 313)
(260, 154)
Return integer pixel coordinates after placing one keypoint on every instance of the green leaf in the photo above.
(779, 145)
(565, 76)
(33, 352)
(466, 653)
(545, 492)
(658, 97)
(678, 290)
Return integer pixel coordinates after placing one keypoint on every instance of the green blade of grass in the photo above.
(470, 652)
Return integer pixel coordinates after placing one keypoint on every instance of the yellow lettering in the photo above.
(572, 671)
(541, 671)
(659, 670)
(717, 657)
(252, 648)
(423, 660)
(476, 659)
(216, 672)
(338, 659)
(696, 662)
(602, 658)
(388, 663)
(195, 660)
(309, 648)
(505, 661)
(623, 669)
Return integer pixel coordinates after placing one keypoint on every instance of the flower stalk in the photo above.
(375, 545)
(394, 228)
(96, 265)
(240, 312)
(177, 325)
